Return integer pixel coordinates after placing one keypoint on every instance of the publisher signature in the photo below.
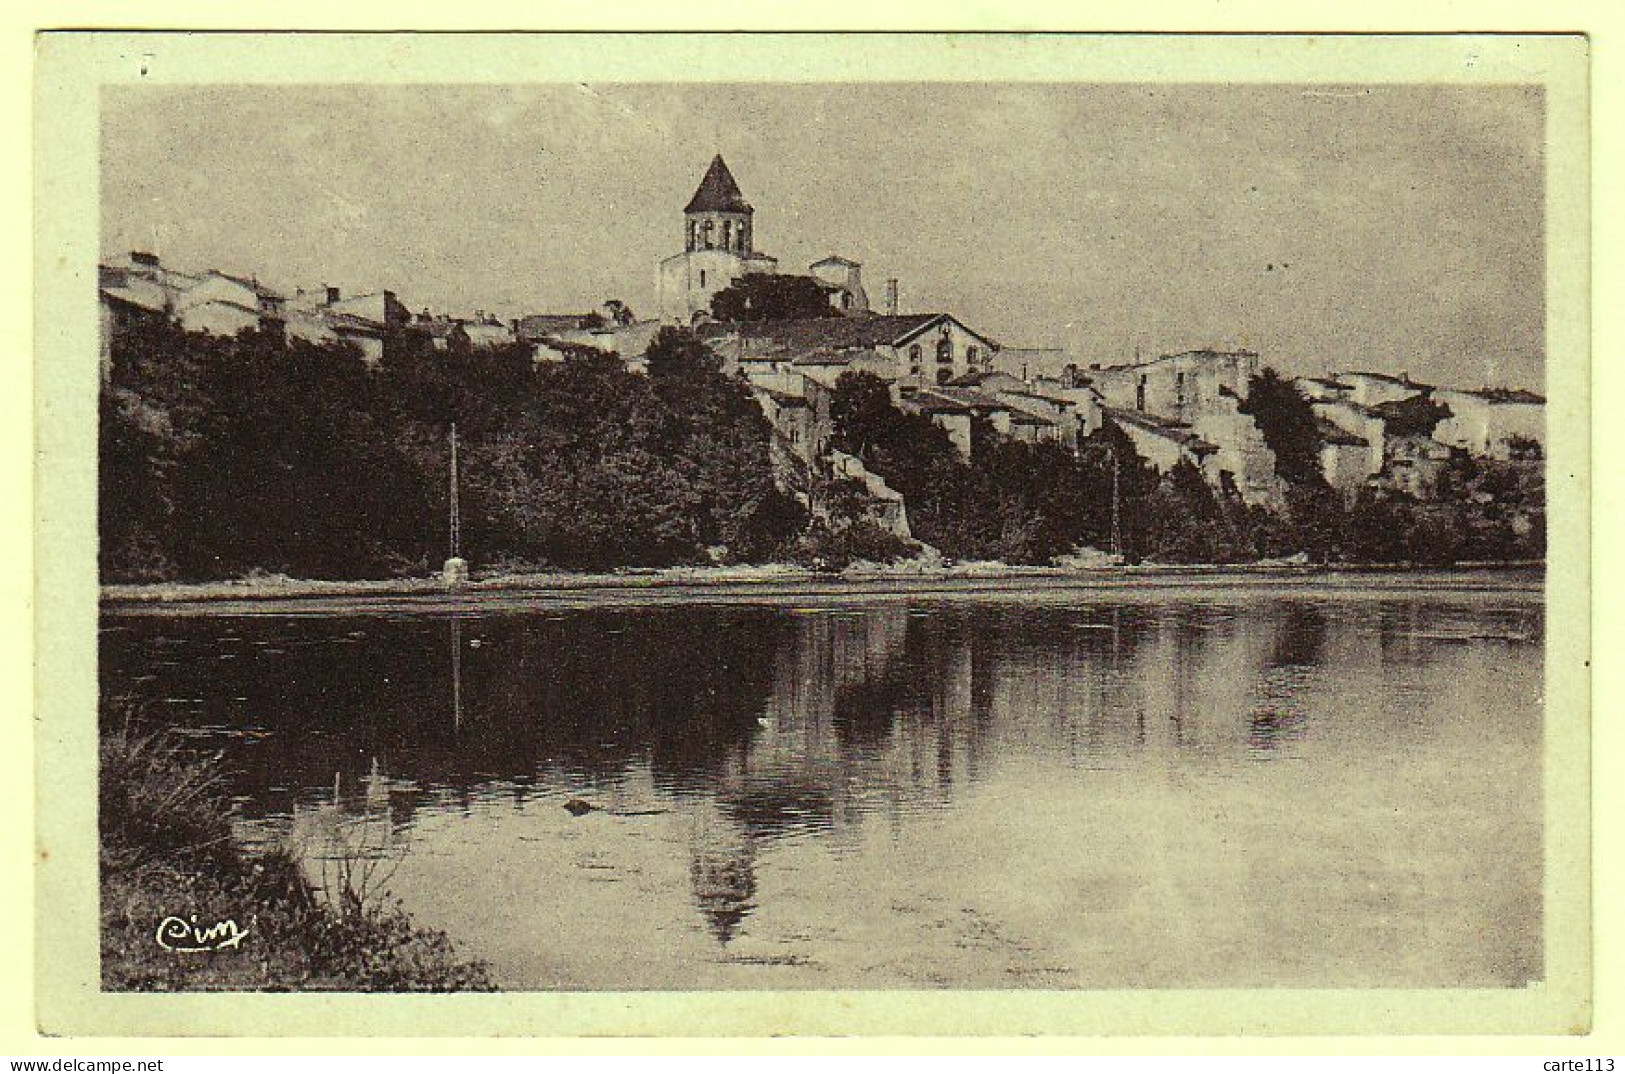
(180, 934)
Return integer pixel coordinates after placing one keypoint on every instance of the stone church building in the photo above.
(719, 248)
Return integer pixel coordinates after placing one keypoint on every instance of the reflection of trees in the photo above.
(1278, 716)
(590, 692)
(1300, 633)
(793, 719)
(1272, 726)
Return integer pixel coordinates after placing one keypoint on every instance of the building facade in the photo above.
(1178, 386)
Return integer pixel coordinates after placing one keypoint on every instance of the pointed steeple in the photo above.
(718, 193)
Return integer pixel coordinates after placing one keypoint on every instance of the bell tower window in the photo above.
(706, 234)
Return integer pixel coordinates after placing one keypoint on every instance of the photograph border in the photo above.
(72, 68)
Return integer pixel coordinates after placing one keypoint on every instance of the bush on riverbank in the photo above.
(167, 849)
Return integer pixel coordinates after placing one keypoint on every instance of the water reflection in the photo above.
(753, 747)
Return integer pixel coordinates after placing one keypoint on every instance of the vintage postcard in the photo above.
(819, 534)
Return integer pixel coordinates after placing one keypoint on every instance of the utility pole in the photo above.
(1117, 523)
(455, 573)
(456, 523)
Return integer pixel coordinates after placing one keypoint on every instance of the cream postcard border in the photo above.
(72, 68)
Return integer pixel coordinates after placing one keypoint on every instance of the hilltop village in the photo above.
(812, 350)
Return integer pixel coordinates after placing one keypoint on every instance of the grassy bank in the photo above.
(167, 849)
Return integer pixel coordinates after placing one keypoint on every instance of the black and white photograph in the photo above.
(931, 534)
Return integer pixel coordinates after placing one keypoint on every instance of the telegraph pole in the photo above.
(456, 524)
(1117, 508)
(455, 572)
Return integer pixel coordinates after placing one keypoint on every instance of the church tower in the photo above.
(718, 248)
(718, 216)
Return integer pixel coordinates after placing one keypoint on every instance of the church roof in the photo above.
(718, 193)
(823, 340)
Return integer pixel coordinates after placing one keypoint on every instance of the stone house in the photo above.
(842, 280)
(124, 300)
(1413, 464)
(443, 333)
(1493, 422)
(910, 349)
(1359, 422)
(486, 332)
(322, 315)
(1177, 386)
(1345, 458)
(223, 305)
(1162, 442)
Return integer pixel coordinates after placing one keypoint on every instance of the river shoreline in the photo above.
(778, 582)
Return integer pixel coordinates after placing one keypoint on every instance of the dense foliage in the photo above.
(225, 456)
(763, 296)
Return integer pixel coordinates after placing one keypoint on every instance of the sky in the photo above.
(1389, 228)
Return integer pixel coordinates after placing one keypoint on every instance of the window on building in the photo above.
(702, 277)
(943, 375)
(727, 235)
(1139, 394)
(1179, 388)
(945, 350)
(972, 354)
(914, 356)
(706, 234)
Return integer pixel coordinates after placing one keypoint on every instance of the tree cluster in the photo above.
(765, 296)
(220, 457)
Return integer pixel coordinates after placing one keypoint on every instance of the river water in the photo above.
(1171, 787)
